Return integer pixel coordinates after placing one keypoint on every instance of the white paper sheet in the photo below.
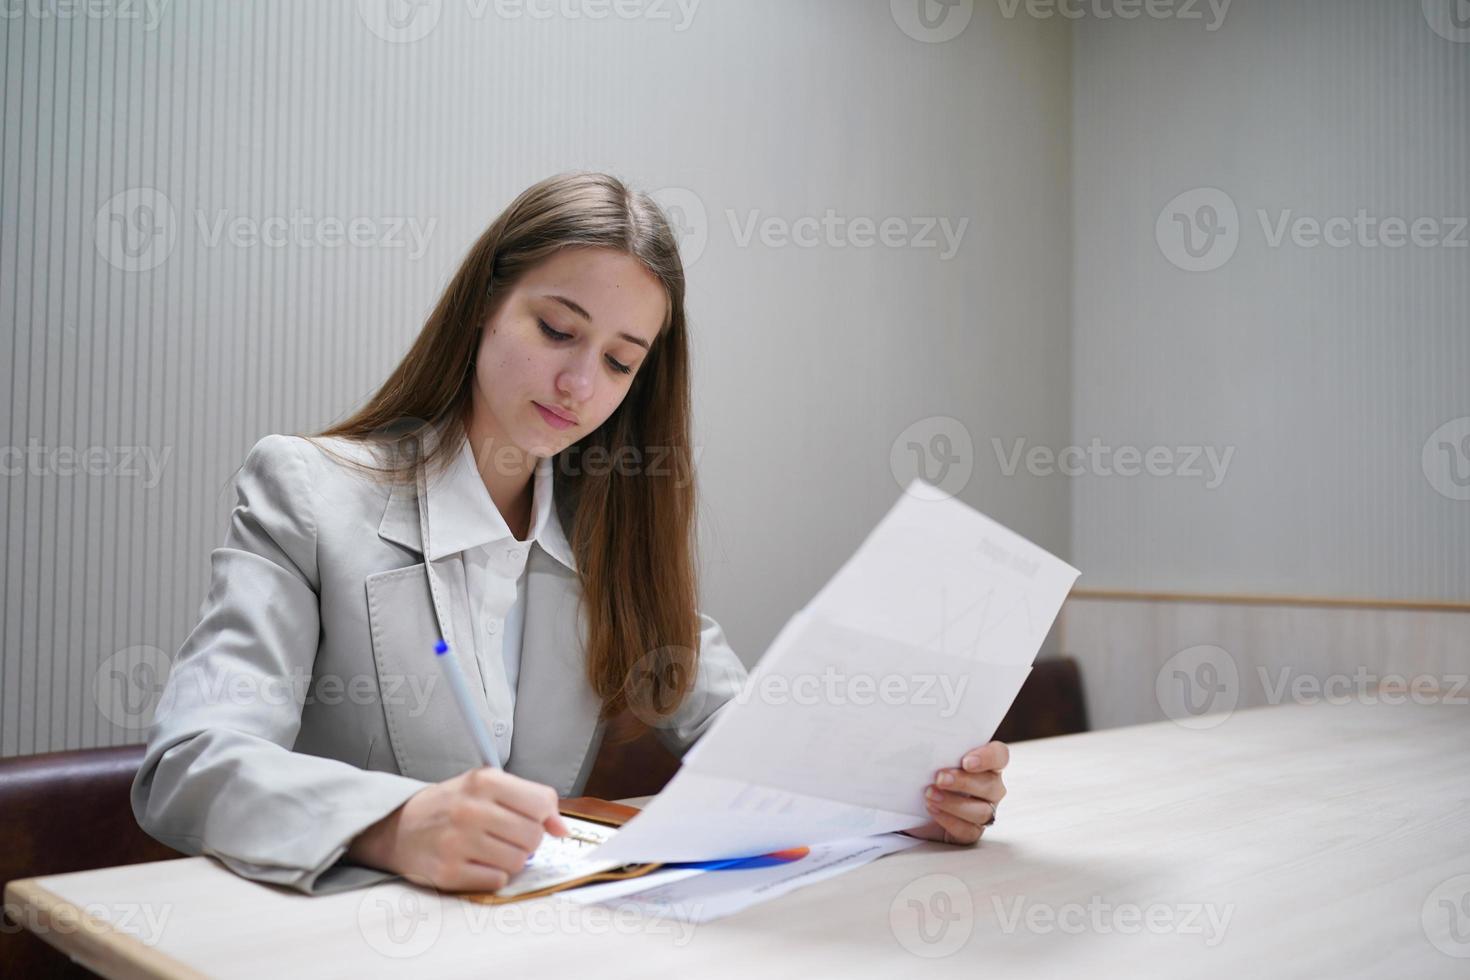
(721, 892)
(909, 656)
(704, 818)
(559, 859)
(938, 574)
(602, 891)
(865, 720)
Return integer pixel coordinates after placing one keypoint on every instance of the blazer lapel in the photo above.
(400, 523)
(556, 713)
(409, 609)
(555, 728)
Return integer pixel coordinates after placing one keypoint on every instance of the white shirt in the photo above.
(465, 519)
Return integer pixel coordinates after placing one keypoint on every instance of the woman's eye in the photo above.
(558, 335)
(553, 334)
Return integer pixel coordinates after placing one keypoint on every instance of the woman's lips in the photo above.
(552, 419)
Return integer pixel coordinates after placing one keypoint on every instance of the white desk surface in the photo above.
(1325, 840)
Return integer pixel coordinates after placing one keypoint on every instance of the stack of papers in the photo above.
(701, 894)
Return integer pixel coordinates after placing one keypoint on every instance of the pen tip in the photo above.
(440, 646)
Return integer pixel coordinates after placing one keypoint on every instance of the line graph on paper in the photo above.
(968, 620)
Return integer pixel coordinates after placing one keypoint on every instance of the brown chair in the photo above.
(1050, 703)
(61, 812)
(631, 762)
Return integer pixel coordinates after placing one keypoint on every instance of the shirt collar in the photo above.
(462, 515)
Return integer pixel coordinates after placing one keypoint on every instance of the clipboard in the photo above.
(594, 810)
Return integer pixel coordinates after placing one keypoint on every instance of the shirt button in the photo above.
(501, 727)
(492, 627)
(514, 554)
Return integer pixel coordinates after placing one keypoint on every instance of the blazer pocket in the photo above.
(420, 717)
(403, 626)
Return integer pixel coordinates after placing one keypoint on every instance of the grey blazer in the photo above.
(306, 704)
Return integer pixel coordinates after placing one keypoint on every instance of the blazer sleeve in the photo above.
(718, 678)
(219, 776)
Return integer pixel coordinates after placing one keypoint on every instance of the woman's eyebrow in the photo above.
(577, 309)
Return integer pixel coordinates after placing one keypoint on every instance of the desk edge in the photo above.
(88, 940)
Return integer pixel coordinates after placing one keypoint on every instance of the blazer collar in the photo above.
(460, 514)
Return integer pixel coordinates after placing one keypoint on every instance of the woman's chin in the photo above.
(541, 446)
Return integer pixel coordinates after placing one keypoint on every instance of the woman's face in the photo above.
(565, 344)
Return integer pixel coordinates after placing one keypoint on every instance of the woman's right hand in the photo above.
(469, 833)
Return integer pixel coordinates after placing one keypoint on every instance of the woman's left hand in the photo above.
(962, 801)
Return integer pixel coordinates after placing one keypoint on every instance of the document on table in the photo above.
(561, 859)
(910, 655)
(700, 896)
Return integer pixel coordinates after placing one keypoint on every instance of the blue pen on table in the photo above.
(486, 747)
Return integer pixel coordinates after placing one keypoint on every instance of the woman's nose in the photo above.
(575, 383)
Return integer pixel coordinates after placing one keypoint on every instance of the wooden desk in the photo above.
(1324, 840)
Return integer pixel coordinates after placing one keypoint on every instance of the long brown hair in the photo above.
(632, 529)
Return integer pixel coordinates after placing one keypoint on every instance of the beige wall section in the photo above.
(809, 362)
(1141, 658)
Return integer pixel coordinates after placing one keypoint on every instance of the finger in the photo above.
(513, 827)
(535, 801)
(991, 755)
(496, 852)
(556, 826)
(967, 808)
(477, 817)
(988, 785)
(471, 876)
(957, 831)
(458, 875)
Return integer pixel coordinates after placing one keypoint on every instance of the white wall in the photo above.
(1331, 373)
(1326, 370)
(810, 362)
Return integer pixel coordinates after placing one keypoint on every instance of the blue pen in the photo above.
(488, 754)
(461, 690)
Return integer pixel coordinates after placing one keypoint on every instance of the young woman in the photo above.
(521, 486)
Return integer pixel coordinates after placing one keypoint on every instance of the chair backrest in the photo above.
(61, 812)
(630, 762)
(1050, 703)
